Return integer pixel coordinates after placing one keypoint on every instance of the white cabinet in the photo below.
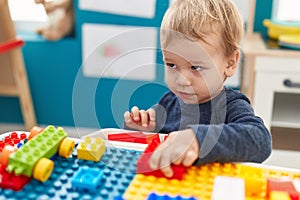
(276, 96)
(271, 80)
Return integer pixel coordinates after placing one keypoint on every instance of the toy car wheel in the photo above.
(66, 148)
(43, 169)
(35, 131)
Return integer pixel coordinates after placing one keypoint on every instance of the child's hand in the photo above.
(180, 147)
(143, 120)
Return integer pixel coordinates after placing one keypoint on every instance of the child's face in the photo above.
(194, 70)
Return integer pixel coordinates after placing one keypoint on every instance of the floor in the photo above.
(286, 152)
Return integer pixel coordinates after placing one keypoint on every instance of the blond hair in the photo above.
(197, 18)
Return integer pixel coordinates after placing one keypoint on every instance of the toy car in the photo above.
(33, 158)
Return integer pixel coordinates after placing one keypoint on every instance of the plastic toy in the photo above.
(91, 149)
(275, 28)
(255, 181)
(13, 139)
(11, 181)
(119, 181)
(228, 188)
(199, 181)
(282, 185)
(154, 196)
(32, 159)
(117, 165)
(142, 166)
(135, 137)
(87, 179)
(60, 19)
(8, 145)
(290, 41)
(276, 195)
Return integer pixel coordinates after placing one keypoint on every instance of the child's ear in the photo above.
(232, 64)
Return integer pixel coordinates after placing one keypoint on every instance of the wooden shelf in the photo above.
(254, 45)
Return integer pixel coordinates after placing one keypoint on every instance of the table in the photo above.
(119, 178)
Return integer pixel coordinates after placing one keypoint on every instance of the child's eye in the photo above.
(197, 68)
(172, 66)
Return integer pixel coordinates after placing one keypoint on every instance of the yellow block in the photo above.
(278, 195)
(91, 149)
(255, 182)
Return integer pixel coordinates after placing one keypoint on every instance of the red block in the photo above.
(143, 167)
(282, 185)
(12, 139)
(135, 137)
(11, 181)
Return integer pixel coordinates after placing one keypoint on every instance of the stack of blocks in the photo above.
(91, 149)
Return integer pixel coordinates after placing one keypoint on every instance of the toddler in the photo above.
(206, 121)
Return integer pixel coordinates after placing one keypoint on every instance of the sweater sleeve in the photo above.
(243, 138)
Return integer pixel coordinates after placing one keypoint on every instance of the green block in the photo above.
(44, 145)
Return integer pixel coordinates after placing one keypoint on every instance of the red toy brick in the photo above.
(143, 167)
(13, 139)
(282, 185)
(135, 137)
(11, 181)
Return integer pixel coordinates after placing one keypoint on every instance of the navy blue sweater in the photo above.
(226, 127)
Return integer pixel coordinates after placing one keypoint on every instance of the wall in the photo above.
(54, 68)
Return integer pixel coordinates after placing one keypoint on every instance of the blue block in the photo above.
(87, 179)
(154, 196)
(117, 167)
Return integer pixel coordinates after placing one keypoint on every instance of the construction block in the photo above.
(143, 166)
(277, 195)
(117, 165)
(87, 179)
(228, 188)
(12, 181)
(197, 182)
(282, 185)
(12, 139)
(255, 181)
(44, 145)
(135, 137)
(91, 149)
(154, 196)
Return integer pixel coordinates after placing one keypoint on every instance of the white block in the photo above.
(228, 188)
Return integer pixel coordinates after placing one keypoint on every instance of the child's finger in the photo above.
(189, 158)
(127, 117)
(154, 159)
(165, 164)
(135, 113)
(144, 118)
(167, 171)
(152, 114)
(178, 160)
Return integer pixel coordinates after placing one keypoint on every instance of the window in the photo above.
(286, 10)
(27, 15)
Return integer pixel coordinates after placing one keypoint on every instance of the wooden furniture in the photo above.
(13, 77)
(270, 78)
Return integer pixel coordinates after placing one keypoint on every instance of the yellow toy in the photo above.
(61, 19)
(275, 29)
(91, 149)
(198, 182)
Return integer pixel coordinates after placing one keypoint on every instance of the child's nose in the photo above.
(183, 79)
